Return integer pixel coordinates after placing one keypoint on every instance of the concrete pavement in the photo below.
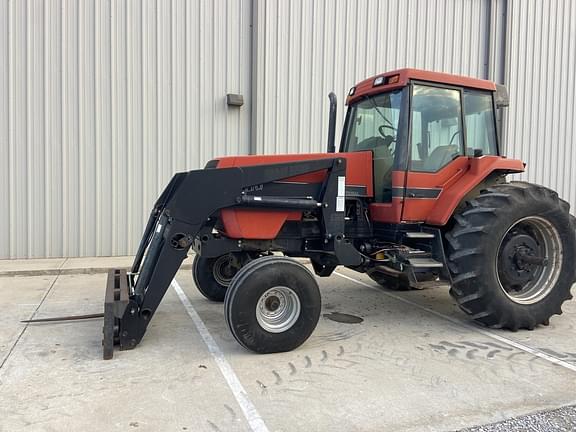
(63, 266)
(413, 363)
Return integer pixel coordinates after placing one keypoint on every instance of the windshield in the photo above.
(373, 124)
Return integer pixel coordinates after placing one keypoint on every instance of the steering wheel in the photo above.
(374, 142)
(381, 129)
(453, 136)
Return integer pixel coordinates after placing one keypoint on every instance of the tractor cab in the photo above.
(422, 128)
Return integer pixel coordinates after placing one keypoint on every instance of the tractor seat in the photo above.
(440, 157)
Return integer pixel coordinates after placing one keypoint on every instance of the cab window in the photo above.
(479, 117)
(436, 128)
(374, 122)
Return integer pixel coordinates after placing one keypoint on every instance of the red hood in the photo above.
(358, 166)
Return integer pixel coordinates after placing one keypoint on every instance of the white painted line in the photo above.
(252, 416)
(518, 345)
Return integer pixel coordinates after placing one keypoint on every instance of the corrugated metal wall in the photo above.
(540, 69)
(100, 103)
(306, 49)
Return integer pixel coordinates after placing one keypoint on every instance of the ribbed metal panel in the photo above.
(5, 154)
(100, 103)
(541, 77)
(306, 49)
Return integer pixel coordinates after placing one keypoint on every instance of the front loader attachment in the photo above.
(185, 211)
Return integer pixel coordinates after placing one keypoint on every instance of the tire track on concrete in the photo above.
(248, 408)
(518, 345)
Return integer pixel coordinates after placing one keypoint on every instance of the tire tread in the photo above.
(467, 260)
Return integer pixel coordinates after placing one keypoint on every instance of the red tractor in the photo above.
(416, 197)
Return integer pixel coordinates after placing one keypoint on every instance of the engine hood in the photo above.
(358, 166)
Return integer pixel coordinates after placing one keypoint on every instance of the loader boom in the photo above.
(180, 218)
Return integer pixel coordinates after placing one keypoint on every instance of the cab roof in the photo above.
(389, 82)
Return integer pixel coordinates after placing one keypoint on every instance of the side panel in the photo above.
(441, 192)
(255, 224)
(358, 166)
(424, 191)
(433, 197)
(265, 224)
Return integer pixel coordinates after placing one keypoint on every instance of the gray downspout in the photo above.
(497, 68)
(253, 76)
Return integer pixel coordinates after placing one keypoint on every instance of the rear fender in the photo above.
(479, 170)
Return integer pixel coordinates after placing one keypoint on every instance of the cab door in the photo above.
(436, 148)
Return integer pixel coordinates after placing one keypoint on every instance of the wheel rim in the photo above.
(529, 260)
(278, 309)
(224, 270)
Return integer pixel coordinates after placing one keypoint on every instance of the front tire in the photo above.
(212, 276)
(511, 253)
(272, 305)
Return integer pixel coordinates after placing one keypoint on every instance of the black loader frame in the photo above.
(184, 216)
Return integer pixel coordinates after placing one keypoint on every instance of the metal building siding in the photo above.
(4, 133)
(541, 78)
(306, 49)
(100, 103)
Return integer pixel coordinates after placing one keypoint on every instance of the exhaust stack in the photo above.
(332, 123)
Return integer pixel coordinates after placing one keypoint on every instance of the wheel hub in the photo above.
(529, 260)
(225, 268)
(278, 309)
(272, 303)
(515, 267)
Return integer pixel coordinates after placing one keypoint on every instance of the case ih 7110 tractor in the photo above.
(416, 197)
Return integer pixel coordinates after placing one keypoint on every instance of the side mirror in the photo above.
(501, 96)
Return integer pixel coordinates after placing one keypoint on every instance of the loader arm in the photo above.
(185, 207)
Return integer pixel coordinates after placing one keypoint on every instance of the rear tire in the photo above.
(511, 253)
(272, 305)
